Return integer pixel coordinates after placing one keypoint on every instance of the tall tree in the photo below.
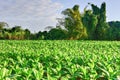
(17, 32)
(2, 25)
(57, 34)
(102, 25)
(2, 31)
(73, 23)
(90, 21)
(27, 34)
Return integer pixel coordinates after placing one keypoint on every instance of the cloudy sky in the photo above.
(38, 14)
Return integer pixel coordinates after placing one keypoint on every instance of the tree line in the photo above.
(89, 25)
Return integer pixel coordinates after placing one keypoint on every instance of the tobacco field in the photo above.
(59, 60)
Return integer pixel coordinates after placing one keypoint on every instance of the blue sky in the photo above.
(38, 14)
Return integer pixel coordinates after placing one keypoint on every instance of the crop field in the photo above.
(59, 60)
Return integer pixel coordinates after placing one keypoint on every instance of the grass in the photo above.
(59, 60)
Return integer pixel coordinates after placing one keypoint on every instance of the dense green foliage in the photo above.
(14, 33)
(73, 23)
(114, 30)
(101, 26)
(59, 60)
(90, 25)
(90, 22)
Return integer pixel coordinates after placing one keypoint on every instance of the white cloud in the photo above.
(29, 12)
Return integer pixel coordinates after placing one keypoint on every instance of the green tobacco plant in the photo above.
(59, 60)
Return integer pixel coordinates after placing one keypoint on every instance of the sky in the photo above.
(36, 15)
